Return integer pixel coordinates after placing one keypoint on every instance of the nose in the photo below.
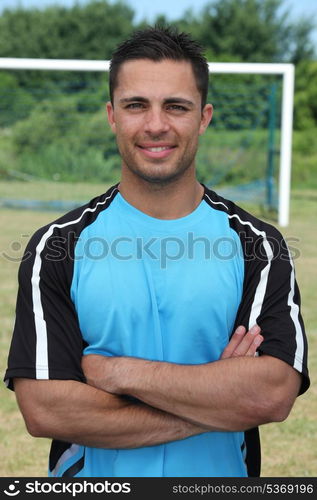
(156, 122)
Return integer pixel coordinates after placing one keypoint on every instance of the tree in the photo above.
(305, 115)
(301, 47)
(89, 31)
(250, 30)
(15, 103)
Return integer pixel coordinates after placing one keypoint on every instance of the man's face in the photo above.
(157, 118)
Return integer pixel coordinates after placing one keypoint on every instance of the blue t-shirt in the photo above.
(111, 280)
(165, 290)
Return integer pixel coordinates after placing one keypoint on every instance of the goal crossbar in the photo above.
(283, 69)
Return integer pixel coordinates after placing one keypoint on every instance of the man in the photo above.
(121, 349)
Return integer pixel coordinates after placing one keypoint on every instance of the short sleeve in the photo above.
(271, 299)
(46, 342)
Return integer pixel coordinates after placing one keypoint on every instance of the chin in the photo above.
(160, 179)
(159, 174)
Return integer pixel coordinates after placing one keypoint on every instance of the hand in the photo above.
(243, 343)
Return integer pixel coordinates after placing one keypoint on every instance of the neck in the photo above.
(172, 200)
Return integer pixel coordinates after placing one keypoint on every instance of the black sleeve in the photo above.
(46, 342)
(271, 298)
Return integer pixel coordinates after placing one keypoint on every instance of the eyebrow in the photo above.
(169, 100)
(133, 99)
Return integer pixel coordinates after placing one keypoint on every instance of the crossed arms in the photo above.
(169, 401)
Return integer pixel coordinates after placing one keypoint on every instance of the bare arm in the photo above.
(72, 411)
(75, 412)
(228, 395)
(232, 394)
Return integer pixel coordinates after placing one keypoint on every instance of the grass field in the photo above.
(289, 449)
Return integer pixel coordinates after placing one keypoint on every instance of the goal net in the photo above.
(53, 128)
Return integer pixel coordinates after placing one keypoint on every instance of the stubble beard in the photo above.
(160, 178)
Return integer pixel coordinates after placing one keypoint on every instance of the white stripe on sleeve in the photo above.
(41, 365)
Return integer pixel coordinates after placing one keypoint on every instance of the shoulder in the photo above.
(240, 220)
(55, 242)
(71, 224)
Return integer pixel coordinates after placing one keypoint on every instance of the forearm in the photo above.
(75, 412)
(232, 394)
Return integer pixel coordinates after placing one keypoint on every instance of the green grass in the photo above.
(47, 190)
(288, 448)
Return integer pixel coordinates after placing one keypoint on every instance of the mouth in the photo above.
(151, 151)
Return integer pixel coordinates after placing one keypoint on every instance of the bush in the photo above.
(58, 142)
(15, 103)
(304, 170)
(305, 105)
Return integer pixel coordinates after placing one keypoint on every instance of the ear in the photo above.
(206, 117)
(110, 113)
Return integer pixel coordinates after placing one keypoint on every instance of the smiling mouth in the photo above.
(158, 152)
(158, 149)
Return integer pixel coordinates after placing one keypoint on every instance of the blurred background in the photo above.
(57, 151)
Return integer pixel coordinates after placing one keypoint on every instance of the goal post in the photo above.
(288, 74)
(285, 70)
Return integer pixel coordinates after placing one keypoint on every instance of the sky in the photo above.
(173, 9)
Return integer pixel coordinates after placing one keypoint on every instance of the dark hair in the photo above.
(158, 43)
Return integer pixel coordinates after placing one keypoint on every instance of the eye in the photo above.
(176, 107)
(135, 105)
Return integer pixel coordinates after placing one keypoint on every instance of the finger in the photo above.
(234, 342)
(255, 345)
(246, 341)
